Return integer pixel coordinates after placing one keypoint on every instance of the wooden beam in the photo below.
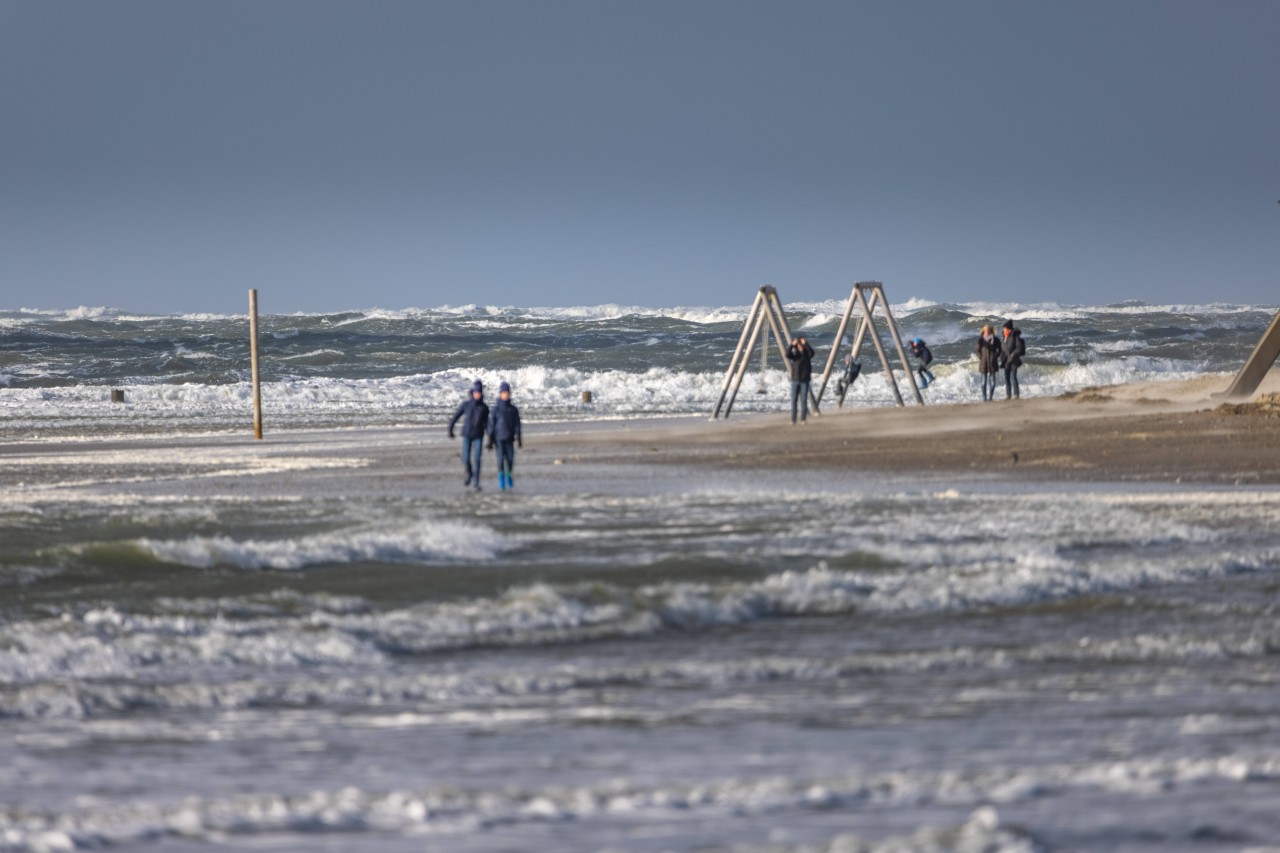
(253, 363)
(1258, 364)
(742, 339)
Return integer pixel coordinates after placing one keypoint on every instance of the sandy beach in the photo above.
(1153, 431)
(1171, 432)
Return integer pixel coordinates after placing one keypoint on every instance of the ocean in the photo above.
(321, 642)
(411, 366)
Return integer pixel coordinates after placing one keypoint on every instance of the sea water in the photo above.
(191, 372)
(321, 642)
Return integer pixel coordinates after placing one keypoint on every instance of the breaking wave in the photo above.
(450, 810)
(424, 542)
(397, 366)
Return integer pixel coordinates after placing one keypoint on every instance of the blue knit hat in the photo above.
(478, 386)
(505, 386)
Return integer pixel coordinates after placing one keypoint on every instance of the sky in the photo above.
(165, 157)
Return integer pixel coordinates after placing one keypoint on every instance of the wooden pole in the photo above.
(746, 360)
(781, 334)
(742, 340)
(764, 362)
(875, 339)
(855, 348)
(253, 363)
(897, 339)
(835, 348)
(1259, 362)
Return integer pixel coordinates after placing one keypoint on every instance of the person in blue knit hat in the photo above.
(924, 358)
(474, 414)
(504, 433)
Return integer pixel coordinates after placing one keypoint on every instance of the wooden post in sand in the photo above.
(253, 363)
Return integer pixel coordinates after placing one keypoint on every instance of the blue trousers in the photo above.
(1010, 382)
(800, 397)
(506, 456)
(471, 455)
(988, 386)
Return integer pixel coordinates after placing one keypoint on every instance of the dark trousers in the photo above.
(1010, 382)
(506, 456)
(472, 448)
(800, 399)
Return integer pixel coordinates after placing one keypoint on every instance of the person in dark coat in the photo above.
(1012, 349)
(924, 357)
(504, 434)
(800, 365)
(988, 350)
(474, 414)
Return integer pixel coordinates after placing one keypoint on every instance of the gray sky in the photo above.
(166, 156)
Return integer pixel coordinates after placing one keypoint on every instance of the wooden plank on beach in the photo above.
(1258, 364)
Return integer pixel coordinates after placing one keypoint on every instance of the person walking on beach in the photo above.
(988, 350)
(920, 351)
(504, 433)
(800, 363)
(1012, 349)
(474, 414)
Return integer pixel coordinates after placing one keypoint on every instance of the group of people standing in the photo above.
(995, 355)
(1000, 354)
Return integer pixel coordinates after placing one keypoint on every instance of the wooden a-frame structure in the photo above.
(767, 309)
(869, 295)
(1260, 361)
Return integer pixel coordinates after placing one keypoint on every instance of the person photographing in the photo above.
(800, 366)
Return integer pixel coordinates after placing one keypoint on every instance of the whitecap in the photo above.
(424, 542)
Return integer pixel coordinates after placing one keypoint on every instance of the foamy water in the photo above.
(187, 372)
(322, 642)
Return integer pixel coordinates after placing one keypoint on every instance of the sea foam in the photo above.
(452, 810)
(423, 542)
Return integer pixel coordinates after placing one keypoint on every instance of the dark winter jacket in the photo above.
(922, 354)
(988, 354)
(800, 362)
(474, 415)
(1013, 348)
(504, 421)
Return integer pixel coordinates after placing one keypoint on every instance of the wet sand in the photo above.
(1159, 432)
(1164, 432)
